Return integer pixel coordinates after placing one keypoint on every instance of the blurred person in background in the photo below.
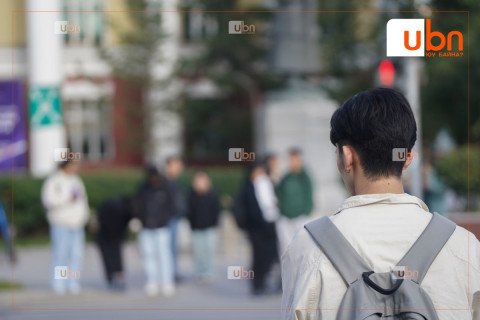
(203, 211)
(271, 162)
(173, 169)
(295, 198)
(113, 218)
(261, 211)
(65, 199)
(434, 189)
(6, 234)
(154, 207)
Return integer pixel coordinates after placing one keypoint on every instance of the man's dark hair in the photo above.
(151, 171)
(374, 122)
(252, 165)
(173, 158)
(295, 151)
(63, 164)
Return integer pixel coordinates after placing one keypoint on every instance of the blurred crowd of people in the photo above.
(268, 208)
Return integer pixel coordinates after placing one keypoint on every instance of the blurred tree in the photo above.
(234, 65)
(353, 42)
(444, 103)
(137, 39)
(348, 46)
(453, 170)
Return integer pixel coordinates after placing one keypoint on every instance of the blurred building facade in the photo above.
(95, 104)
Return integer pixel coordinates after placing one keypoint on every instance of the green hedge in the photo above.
(29, 214)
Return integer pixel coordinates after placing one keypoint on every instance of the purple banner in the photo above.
(13, 131)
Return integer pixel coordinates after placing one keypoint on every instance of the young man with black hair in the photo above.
(379, 220)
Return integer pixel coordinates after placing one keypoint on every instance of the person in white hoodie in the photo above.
(65, 199)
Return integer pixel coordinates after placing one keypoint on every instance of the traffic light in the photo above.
(386, 73)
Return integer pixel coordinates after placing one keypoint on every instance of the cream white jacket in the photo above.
(381, 228)
(57, 197)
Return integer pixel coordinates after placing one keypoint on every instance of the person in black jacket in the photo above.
(113, 217)
(154, 208)
(203, 212)
(261, 213)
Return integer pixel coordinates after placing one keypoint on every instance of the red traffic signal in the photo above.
(386, 73)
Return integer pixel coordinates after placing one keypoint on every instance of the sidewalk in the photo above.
(223, 299)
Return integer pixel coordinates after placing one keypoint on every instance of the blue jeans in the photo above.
(204, 245)
(67, 251)
(4, 225)
(173, 226)
(157, 255)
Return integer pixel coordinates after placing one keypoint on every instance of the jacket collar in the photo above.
(385, 198)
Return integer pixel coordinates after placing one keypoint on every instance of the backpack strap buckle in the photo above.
(376, 287)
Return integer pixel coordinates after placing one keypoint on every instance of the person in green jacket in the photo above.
(295, 199)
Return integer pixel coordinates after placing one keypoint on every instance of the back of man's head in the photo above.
(374, 122)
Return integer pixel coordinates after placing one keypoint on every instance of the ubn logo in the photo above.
(62, 27)
(64, 154)
(402, 272)
(401, 154)
(408, 38)
(239, 27)
(64, 272)
(239, 154)
(237, 272)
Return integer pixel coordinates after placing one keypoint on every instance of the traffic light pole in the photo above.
(412, 90)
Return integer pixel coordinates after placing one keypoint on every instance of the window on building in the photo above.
(89, 129)
(89, 24)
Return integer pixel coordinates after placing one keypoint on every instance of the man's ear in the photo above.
(410, 156)
(347, 157)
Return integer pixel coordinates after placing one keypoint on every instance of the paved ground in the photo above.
(223, 299)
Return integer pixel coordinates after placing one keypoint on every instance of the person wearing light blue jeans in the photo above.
(67, 250)
(203, 211)
(155, 207)
(155, 246)
(204, 246)
(65, 198)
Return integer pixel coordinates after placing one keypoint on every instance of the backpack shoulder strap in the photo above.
(337, 249)
(421, 255)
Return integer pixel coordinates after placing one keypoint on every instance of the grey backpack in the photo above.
(392, 295)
